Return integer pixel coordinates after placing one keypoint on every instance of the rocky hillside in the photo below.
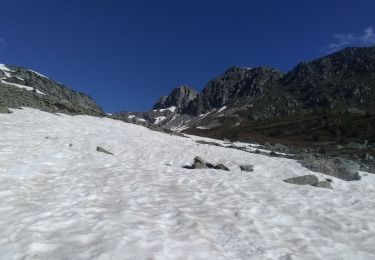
(20, 87)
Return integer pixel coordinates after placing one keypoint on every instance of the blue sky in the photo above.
(126, 54)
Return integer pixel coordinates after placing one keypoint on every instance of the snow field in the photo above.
(71, 202)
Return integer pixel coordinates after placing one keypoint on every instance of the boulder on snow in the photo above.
(247, 168)
(200, 163)
(102, 150)
(199, 159)
(337, 167)
(303, 180)
(221, 166)
(324, 184)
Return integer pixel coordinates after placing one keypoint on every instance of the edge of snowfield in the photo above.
(71, 202)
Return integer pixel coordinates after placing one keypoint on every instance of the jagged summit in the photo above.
(236, 85)
(179, 97)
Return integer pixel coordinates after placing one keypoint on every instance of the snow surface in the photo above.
(61, 201)
(37, 73)
(6, 70)
(4, 67)
(159, 119)
(21, 86)
(172, 109)
(222, 109)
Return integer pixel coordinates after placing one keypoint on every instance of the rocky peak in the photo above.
(180, 97)
(345, 79)
(342, 64)
(235, 85)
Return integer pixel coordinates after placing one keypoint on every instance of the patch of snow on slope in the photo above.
(131, 116)
(222, 109)
(21, 86)
(61, 201)
(159, 119)
(172, 109)
(38, 74)
(6, 70)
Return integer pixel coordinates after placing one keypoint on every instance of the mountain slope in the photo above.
(61, 199)
(22, 87)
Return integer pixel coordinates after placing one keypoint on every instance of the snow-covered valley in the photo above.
(61, 199)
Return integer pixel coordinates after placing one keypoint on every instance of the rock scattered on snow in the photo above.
(303, 180)
(102, 150)
(324, 184)
(221, 166)
(247, 168)
(311, 180)
(200, 163)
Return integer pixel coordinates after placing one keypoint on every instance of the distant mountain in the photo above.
(23, 87)
(331, 99)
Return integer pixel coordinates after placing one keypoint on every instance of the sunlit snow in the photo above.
(21, 86)
(61, 199)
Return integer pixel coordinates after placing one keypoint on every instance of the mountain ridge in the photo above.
(25, 87)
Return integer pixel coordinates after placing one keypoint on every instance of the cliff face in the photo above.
(180, 97)
(235, 87)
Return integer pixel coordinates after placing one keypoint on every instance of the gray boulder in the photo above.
(102, 150)
(247, 168)
(200, 163)
(221, 167)
(311, 180)
(303, 180)
(199, 159)
(324, 184)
